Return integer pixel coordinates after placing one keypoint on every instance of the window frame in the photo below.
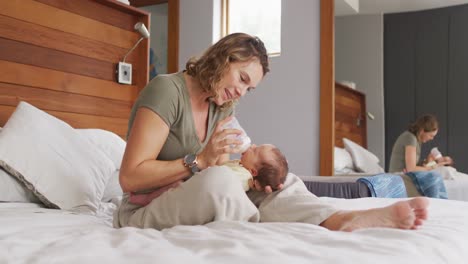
(225, 24)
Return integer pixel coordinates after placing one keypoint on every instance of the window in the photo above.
(260, 18)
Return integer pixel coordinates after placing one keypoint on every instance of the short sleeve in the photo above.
(162, 96)
(409, 140)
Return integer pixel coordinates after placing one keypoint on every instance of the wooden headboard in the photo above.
(350, 115)
(61, 57)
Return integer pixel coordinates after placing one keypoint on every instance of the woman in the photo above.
(406, 151)
(175, 130)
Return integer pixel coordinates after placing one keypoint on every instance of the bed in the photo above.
(64, 116)
(39, 235)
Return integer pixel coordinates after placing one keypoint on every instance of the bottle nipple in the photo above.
(246, 141)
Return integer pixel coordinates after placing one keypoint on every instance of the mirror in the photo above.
(406, 59)
(164, 34)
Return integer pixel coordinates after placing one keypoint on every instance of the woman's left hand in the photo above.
(255, 185)
(221, 142)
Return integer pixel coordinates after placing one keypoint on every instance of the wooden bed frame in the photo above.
(61, 57)
(350, 116)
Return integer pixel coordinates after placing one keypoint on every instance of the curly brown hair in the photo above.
(273, 172)
(425, 123)
(215, 61)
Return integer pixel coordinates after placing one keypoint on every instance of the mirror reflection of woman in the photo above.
(406, 151)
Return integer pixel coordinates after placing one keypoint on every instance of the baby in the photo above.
(264, 165)
(435, 158)
(259, 166)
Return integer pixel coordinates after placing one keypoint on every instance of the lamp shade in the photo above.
(140, 27)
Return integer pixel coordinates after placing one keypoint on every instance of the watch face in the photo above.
(190, 159)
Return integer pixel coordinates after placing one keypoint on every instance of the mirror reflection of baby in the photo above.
(262, 165)
(436, 159)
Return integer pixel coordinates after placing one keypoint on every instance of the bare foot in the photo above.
(403, 215)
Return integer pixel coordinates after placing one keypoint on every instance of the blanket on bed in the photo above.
(429, 183)
(385, 185)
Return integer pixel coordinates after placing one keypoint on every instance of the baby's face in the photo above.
(255, 154)
(447, 160)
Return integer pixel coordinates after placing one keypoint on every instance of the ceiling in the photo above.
(346, 7)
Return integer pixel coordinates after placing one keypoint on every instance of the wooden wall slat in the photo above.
(124, 8)
(61, 55)
(96, 11)
(15, 29)
(116, 125)
(20, 52)
(52, 17)
(357, 138)
(139, 3)
(27, 75)
(11, 95)
(350, 106)
(353, 110)
(343, 121)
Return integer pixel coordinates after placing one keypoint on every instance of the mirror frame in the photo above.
(327, 87)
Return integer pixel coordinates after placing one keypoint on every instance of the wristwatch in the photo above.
(191, 162)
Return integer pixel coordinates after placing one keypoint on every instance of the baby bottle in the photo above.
(234, 124)
(436, 153)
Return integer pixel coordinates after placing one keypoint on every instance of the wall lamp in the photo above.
(124, 70)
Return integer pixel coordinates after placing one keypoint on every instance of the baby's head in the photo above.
(446, 160)
(267, 165)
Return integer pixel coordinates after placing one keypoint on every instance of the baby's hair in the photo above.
(451, 162)
(273, 172)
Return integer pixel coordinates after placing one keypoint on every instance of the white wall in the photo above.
(359, 58)
(284, 110)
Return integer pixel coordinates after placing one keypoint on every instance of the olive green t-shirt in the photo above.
(167, 96)
(397, 159)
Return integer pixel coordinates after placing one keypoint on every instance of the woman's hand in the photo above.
(219, 144)
(255, 185)
(144, 199)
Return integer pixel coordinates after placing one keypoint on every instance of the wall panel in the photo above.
(61, 57)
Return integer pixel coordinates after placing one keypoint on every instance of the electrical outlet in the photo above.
(124, 73)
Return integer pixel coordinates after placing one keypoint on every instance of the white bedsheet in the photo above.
(30, 234)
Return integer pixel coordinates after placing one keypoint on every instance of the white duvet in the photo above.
(30, 234)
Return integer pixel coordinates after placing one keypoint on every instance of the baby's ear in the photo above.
(253, 171)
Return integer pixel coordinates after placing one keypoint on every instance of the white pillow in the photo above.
(363, 160)
(108, 142)
(342, 159)
(346, 171)
(11, 190)
(53, 161)
(114, 147)
(113, 188)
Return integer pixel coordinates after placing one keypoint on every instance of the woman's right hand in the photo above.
(219, 144)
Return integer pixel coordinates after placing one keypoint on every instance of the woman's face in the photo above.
(427, 136)
(240, 78)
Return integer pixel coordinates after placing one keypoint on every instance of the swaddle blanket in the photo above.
(385, 185)
(429, 183)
